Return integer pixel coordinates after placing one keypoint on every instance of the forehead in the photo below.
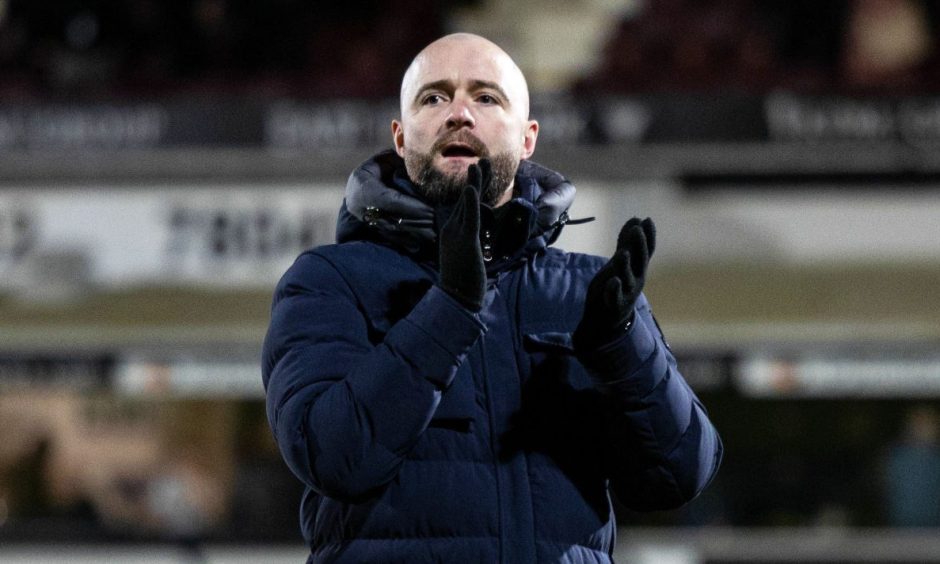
(454, 58)
(462, 62)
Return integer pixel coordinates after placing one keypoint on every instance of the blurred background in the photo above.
(163, 162)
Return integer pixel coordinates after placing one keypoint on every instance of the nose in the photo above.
(460, 115)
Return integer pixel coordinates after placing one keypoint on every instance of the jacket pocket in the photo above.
(551, 355)
(551, 342)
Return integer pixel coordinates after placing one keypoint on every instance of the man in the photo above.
(449, 387)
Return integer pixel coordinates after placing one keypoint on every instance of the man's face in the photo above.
(463, 99)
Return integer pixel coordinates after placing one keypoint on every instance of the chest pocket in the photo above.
(551, 355)
(551, 341)
(552, 347)
(562, 414)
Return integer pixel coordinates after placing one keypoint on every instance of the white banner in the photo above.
(220, 236)
(189, 378)
(841, 377)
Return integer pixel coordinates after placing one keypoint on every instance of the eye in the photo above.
(487, 99)
(432, 99)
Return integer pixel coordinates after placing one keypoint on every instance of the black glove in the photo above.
(608, 306)
(463, 274)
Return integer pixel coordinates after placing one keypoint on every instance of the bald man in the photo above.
(463, 98)
(449, 386)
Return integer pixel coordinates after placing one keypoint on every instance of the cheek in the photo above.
(417, 139)
(507, 138)
(413, 135)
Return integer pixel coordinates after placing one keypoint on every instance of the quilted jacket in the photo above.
(427, 433)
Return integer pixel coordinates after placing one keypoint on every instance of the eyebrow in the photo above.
(474, 85)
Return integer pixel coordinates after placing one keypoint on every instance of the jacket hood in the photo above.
(382, 205)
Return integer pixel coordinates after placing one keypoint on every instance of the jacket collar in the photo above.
(382, 205)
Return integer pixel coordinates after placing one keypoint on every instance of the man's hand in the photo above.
(463, 274)
(608, 307)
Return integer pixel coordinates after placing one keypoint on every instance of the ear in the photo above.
(530, 135)
(398, 137)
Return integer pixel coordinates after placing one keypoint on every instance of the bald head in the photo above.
(444, 55)
(462, 99)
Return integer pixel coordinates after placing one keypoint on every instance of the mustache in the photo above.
(463, 136)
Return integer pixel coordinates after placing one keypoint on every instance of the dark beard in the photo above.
(439, 188)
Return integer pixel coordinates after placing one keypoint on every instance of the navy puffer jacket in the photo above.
(427, 433)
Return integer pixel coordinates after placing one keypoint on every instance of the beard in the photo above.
(438, 187)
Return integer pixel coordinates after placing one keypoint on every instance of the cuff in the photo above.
(437, 335)
(623, 355)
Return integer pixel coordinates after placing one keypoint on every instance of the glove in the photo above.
(611, 295)
(463, 274)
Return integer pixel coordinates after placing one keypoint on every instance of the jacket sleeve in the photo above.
(345, 411)
(663, 450)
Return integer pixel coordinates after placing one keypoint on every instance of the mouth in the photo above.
(458, 150)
